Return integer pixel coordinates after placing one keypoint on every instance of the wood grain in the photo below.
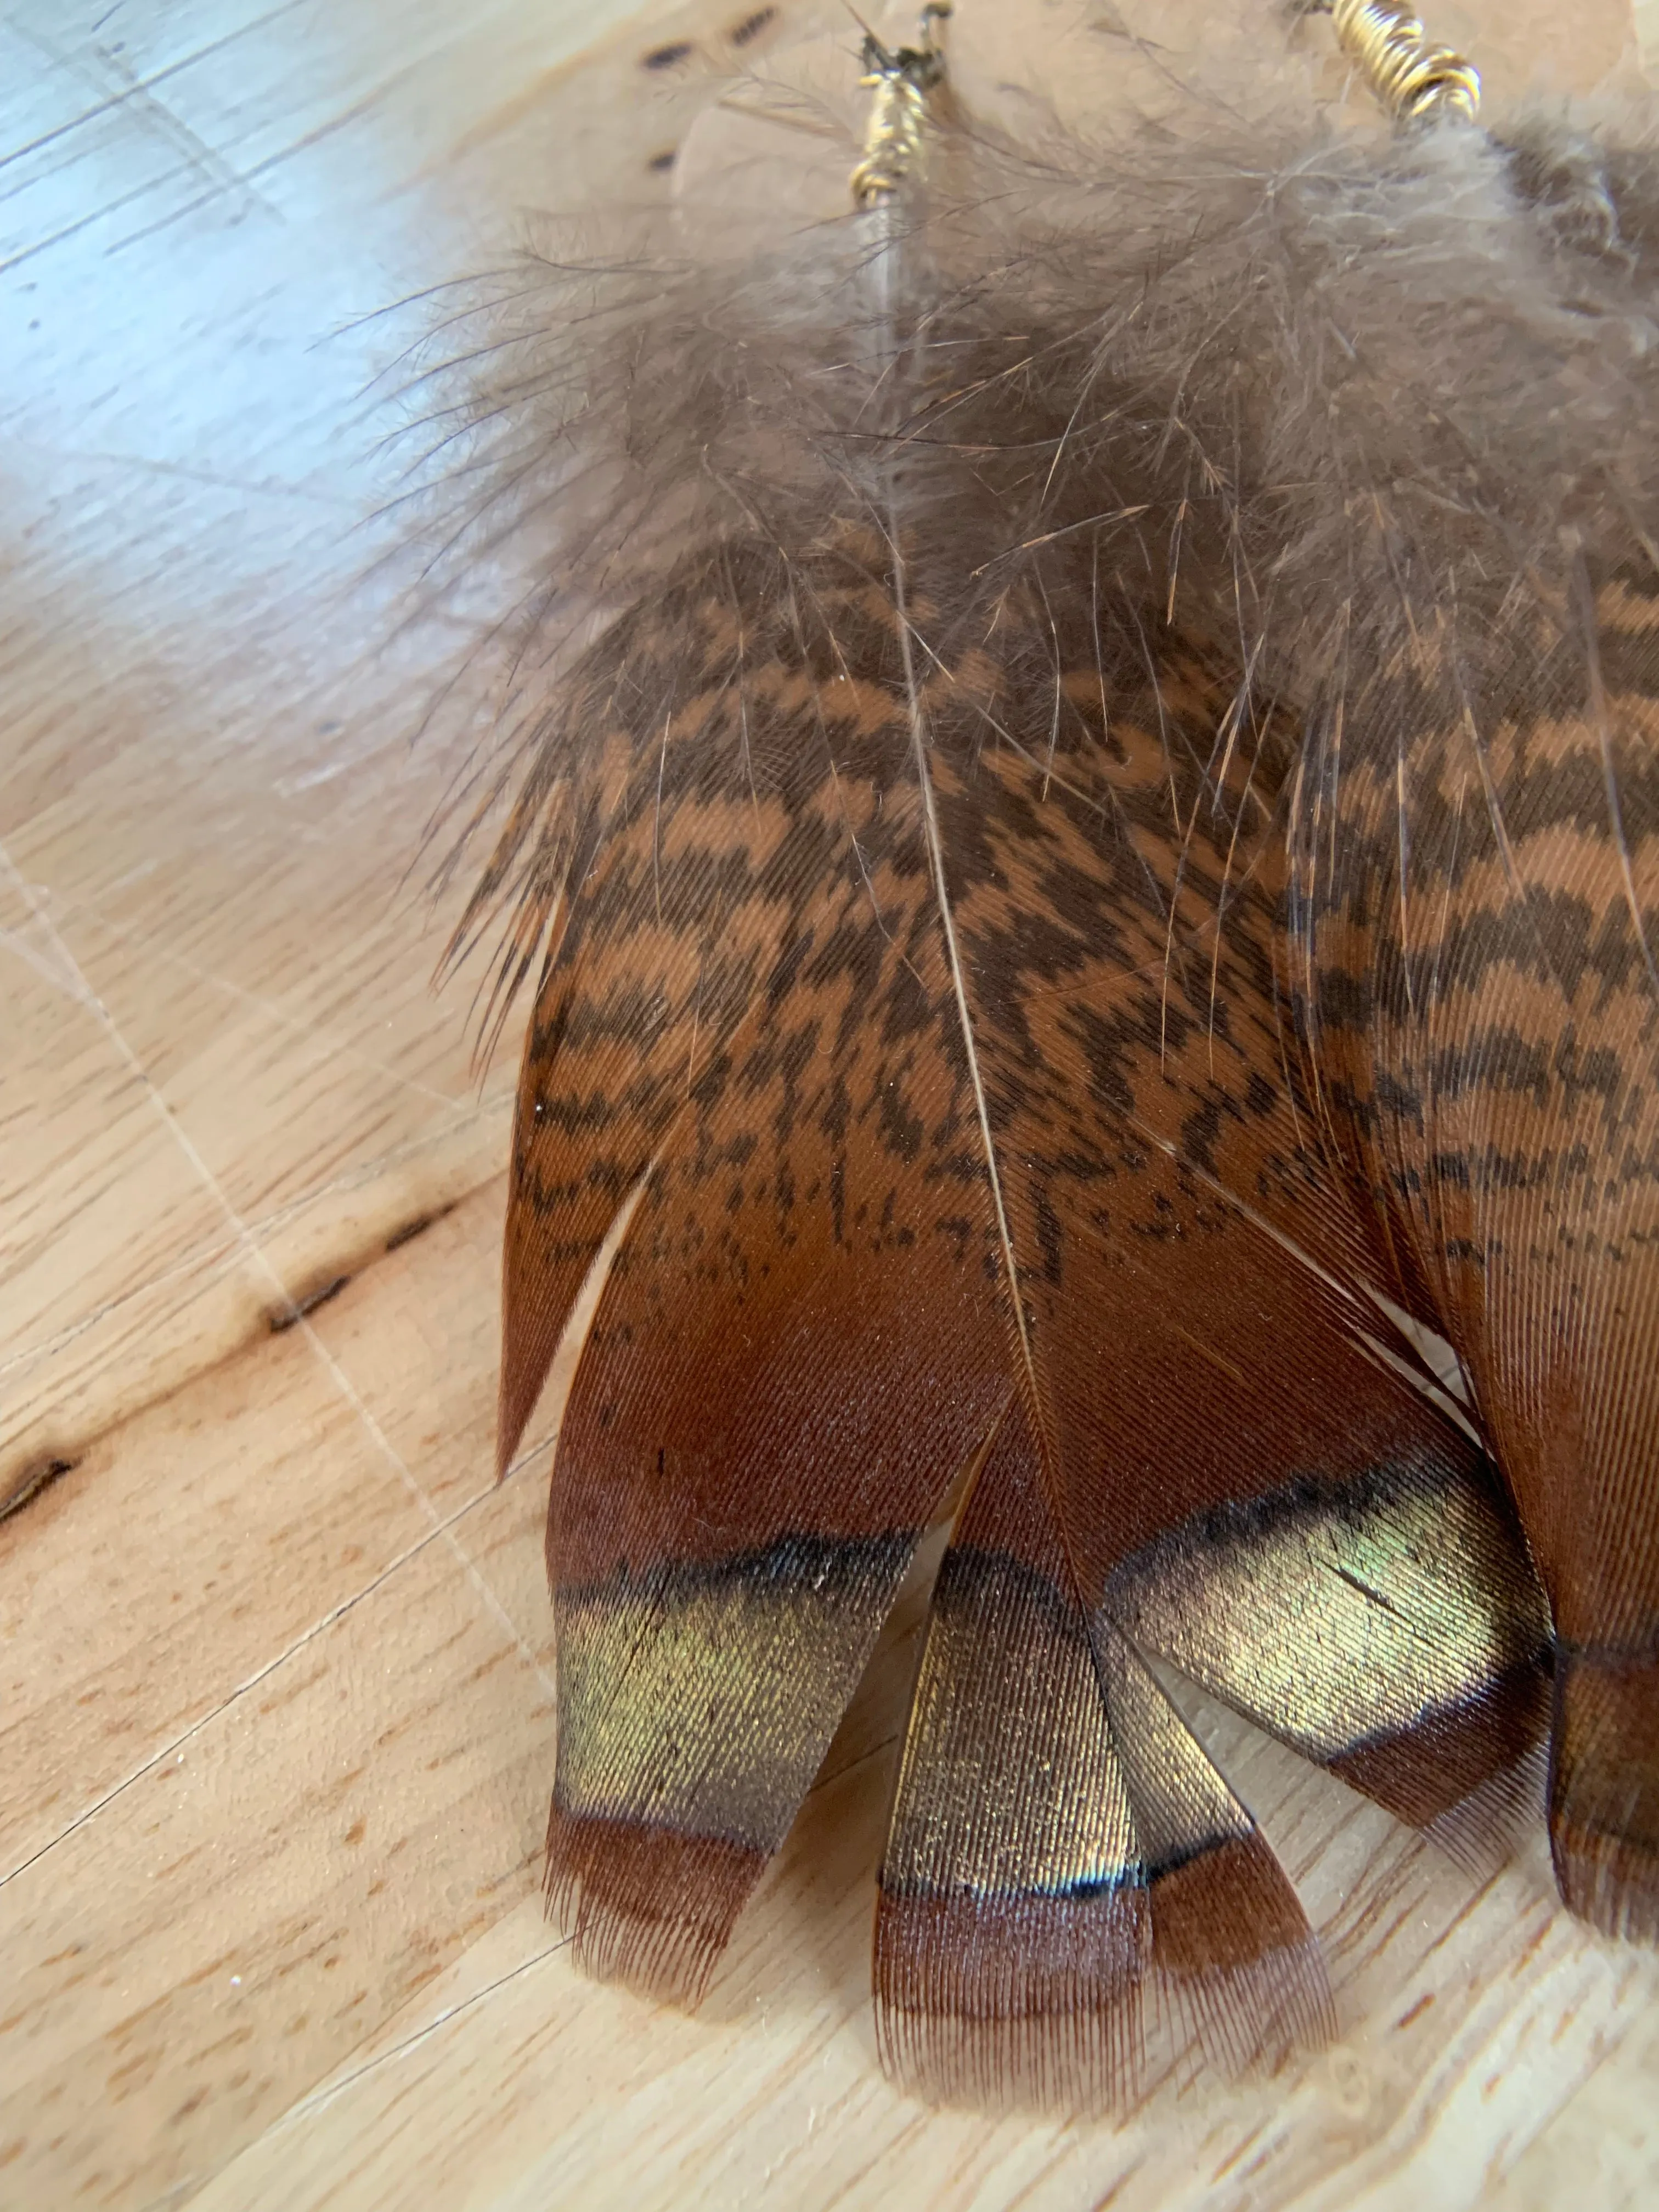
(275, 1667)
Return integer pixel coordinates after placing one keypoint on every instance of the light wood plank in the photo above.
(274, 1658)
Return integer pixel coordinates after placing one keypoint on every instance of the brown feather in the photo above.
(753, 1003)
(1059, 873)
(1485, 1004)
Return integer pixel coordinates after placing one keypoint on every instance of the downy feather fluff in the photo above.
(1081, 797)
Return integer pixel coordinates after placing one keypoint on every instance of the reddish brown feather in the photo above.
(808, 1326)
(1059, 1843)
(1014, 1925)
(795, 1351)
(1488, 1023)
(932, 888)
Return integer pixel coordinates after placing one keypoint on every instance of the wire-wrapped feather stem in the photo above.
(1414, 79)
(899, 83)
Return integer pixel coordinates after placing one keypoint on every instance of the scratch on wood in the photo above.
(417, 1226)
(31, 1482)
(285, 1317)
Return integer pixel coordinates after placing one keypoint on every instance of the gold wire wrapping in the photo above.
(1414, 80)
(901, 81)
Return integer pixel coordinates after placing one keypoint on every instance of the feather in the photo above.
(1058, 1839)
(1080, 784)
(1480, 980)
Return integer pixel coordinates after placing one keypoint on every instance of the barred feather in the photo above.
(1089, 815)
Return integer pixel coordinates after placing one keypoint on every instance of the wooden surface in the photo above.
(275, 1663)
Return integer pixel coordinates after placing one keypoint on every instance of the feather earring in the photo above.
(1080, 667)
